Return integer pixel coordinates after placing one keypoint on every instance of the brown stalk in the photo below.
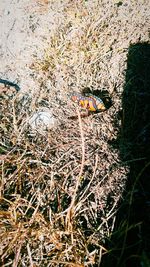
(70, 212)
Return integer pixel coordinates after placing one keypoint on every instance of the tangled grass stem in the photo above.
(70, 211)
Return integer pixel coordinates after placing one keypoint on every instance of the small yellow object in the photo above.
(89, 102)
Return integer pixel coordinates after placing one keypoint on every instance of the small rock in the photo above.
(42, 120)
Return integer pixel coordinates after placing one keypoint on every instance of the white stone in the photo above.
(42, 120)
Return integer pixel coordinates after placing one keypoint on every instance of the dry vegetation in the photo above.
(60, 188)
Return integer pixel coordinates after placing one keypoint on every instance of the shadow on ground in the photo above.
(130, 242)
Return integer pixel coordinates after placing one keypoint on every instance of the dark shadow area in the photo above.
(129, 244)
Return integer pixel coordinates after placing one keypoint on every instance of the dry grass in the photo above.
(54, 191)
(60, 188)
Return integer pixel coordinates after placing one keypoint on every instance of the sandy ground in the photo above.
(26, 27)
(25, 30)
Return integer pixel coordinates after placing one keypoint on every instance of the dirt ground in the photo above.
(61, 188)
(26, 28)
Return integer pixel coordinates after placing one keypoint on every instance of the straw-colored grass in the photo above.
(54, 189)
